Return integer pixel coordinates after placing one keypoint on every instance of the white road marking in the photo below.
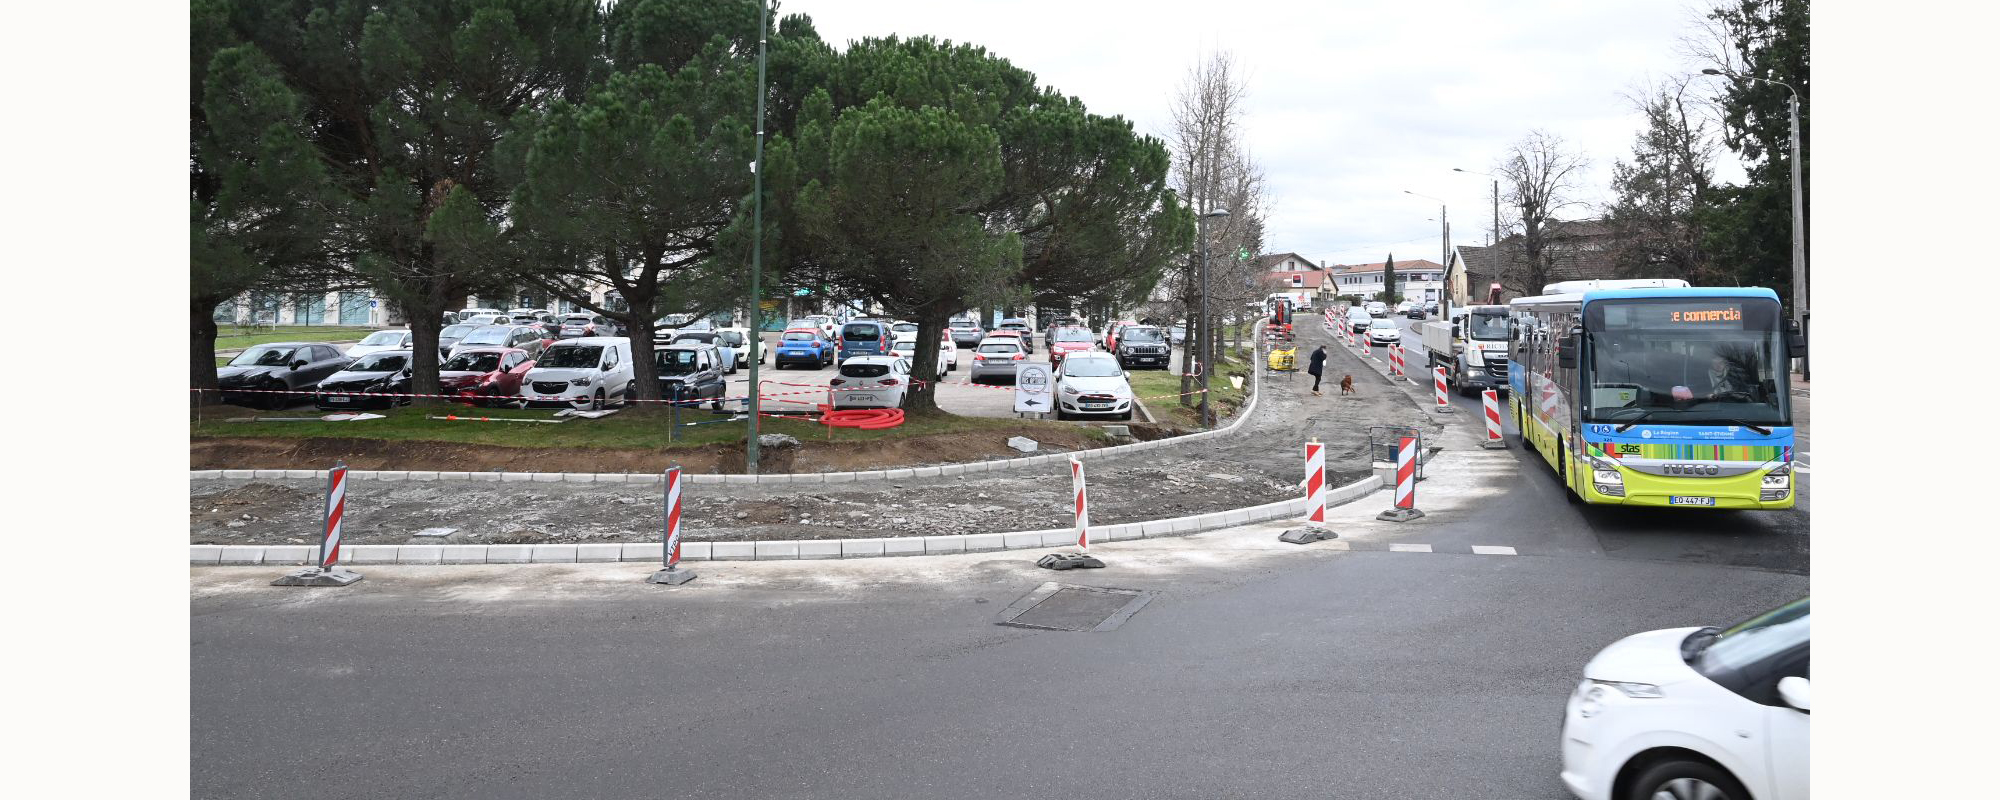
(1409, 548)
(1492, 550)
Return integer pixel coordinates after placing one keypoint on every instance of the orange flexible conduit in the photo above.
(867, 419)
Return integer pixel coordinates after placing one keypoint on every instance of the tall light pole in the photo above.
(1444, 236)
(1800, 312)
(1496, 203)
(1204, 340)
(756, 251)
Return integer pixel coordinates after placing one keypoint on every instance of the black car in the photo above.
(690, 372)
(1142, 346)
(372, 381)
(254, 377)
(450, 334)
(1415, 312)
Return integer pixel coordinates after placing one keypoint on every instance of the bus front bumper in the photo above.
(1735, 492)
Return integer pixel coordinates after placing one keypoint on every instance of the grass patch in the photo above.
(1224, 397)
(624, 430)
(231, 337)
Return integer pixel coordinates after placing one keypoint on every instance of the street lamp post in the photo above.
(756, 250)
(1444, 237)
(1495, 239)
(1800, 311)
(1204, 340)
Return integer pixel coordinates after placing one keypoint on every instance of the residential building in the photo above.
(1576, 250)
(1288, 262)
(1416, 279)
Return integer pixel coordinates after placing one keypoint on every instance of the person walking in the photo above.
(1317, 368)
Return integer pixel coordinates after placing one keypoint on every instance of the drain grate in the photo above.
(1061, 607)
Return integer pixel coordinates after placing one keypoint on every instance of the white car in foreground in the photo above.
(1092, 384)
(1384, 331)
(1696, 714)
(380, 342)
(870, 382)
(590, 372)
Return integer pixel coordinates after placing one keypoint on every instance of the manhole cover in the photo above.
(1060, 607)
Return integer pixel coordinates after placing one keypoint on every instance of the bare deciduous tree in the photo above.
(1541, 174)
(1656, 228)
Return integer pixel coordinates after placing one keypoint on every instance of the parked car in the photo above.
(277, 367)
(581, 373)
(1111, 334)
(486, 376)
(1722, 713)
(690, 373)
(870, 381)
(578, 326)
(1064, 341)
(862, 338)
(477, 312)
(485, 318)
(1092, 384)
(371, 381)
(997, 356)
(1358, 320)
(948, 353)
(1049, 336)
(380, 341)
(803, 347)
(738, 342)
(907, 349)
(1384, 331)
(826, 324)
(449, 336)
(903, 330)
(1143, 346)
(524, 337)
(966, 332)
(1018, 324)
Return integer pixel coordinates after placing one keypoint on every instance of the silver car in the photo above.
(997, 357)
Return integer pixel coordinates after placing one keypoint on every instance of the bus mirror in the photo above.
(1795, 339)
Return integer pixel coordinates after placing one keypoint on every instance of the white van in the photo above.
(589, 372)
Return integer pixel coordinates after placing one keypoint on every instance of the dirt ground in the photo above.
(1260, 464)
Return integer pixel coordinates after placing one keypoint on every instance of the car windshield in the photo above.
(964, 323)
(1382, 324)
(472, 362)
(380, 338)
(1072, 335)
(677, 362)
(263, 356)
(905, 346)
(1490, 327)
(455, 331)
(1680, 361)
(732, 338)
(1758, 638)
(904, 327)
(576, 321)
(861, 331)
(860, 369)
(489, 334)
(999, 347)
(1142, 336)
(570, 357)
(800, 336)
(379, 362)
(1015, 324)
(1090, 368)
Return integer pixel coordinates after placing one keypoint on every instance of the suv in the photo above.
(690, 373)
(966, 332)
(1142, 346)
(863, 337)
(581, 373)
(524, 337)
(1067, 340)
(1049, 336)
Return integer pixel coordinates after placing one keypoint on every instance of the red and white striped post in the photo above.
(1082, 505)
(328, 571)
(670, 536)
(1490, 399)
(1396, 359)
(1315, 484)
(1405, 508)
(1439, 383)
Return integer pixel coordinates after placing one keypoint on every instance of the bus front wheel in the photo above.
(1562, 471)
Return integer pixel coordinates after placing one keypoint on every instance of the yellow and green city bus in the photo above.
(1654, 393)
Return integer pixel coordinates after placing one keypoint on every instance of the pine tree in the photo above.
(1389, 280)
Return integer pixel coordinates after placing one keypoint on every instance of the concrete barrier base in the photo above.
(1306, 535)
(315, 576)
(1399, 514)
(671, 577)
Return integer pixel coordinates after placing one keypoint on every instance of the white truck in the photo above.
(1472, 348)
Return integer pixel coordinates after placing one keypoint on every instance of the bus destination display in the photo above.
(1703, 314)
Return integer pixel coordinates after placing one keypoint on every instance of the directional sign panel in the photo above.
(1031, 388)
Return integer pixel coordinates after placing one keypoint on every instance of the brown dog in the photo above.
(1347, 384)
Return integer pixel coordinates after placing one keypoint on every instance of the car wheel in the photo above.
(1685, 780)
(1126, 417)
(1060, 415)
(597, 401)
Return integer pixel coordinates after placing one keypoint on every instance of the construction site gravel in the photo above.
(1259, 463)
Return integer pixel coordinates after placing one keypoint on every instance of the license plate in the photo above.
(337, 399)
(860, 397)
(1096, 405)
(1677, 500)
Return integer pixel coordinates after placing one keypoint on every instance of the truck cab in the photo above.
(1472, 348)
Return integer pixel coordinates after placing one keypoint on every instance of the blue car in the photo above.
(804, 347)
(864, 338)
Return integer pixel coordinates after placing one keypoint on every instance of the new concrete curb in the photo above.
(912, 473)
(786, 550)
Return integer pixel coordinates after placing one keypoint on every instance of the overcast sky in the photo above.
(1351, 101)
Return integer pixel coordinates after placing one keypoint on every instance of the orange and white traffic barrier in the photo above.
(1405, 508)
(328, 571)
(1490, 399)
(670, 539)
(1082, 505)
(1438, 381)
(1315, 484)
(1396, 360)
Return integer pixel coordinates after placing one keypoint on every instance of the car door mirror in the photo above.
(1796, 692)
(299, 363)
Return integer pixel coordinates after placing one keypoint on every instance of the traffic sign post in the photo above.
(1031, 389)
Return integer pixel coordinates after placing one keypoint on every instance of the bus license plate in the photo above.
(1677, 500)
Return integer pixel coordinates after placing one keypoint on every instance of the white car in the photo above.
(1378, 309)
(870, 382)
(380, 341)
(1685, 713)
(590, 372)
(948, 353)
(947, 359)
(1092, 384)
(903, 330)
(736, 343)
(1384, 331)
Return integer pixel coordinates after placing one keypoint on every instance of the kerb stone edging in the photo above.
(783, 550)
(906, 473)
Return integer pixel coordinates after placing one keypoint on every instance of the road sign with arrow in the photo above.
(1031, 389)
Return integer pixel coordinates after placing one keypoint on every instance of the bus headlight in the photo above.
(1780, 478)
(1606, 477)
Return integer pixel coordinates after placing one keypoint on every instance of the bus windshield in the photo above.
(1686, 361)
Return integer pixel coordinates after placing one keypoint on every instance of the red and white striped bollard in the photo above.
(328, 571)
(670, 535)
(1490, 399)
(1405, 508)
(1082, 505)
(1439, 383)
(1315, 484)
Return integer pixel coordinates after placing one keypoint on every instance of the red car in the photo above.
(486, 376)
(1111, 334)
(1070, 340)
